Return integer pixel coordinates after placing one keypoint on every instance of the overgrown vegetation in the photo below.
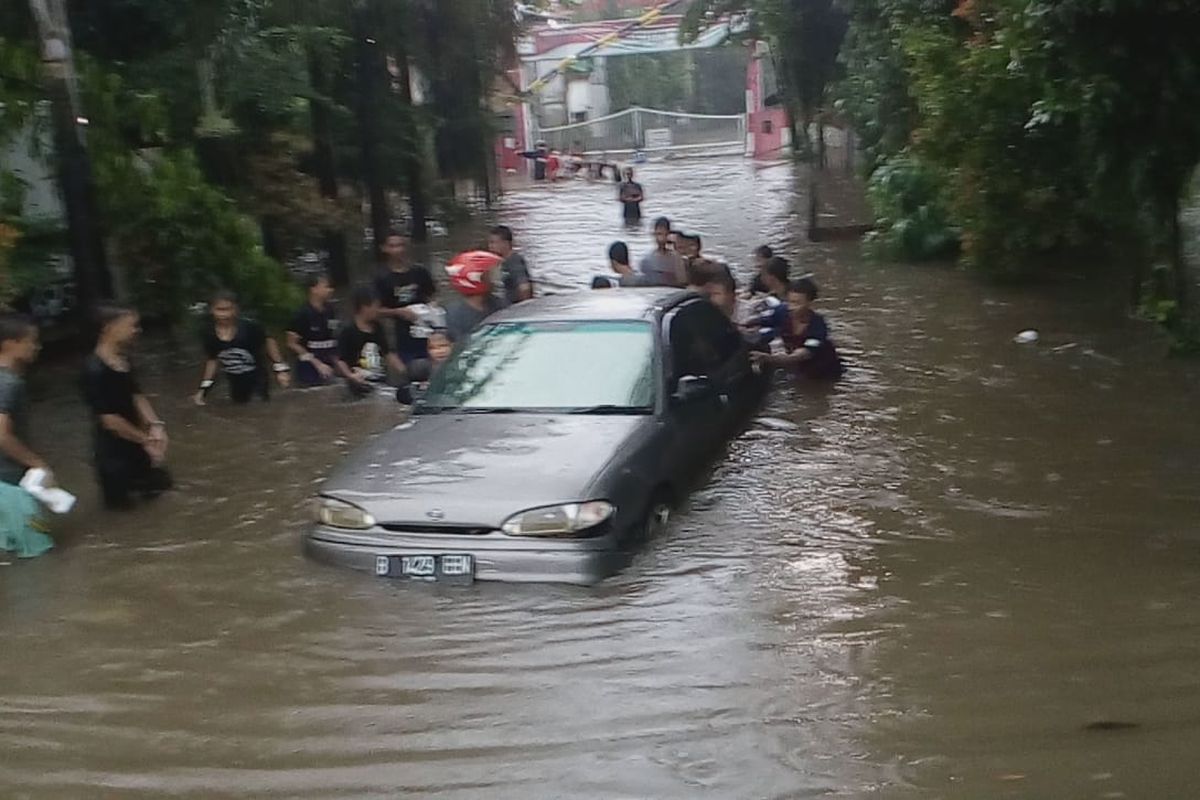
(1044, 131)
(227, 136)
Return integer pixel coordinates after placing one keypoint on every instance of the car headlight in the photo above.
(568, 519)
(340, 514)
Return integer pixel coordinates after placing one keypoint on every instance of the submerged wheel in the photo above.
(658, 516)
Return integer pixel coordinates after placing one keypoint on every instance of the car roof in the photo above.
(595, 305)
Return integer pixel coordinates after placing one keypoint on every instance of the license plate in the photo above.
(448, 568)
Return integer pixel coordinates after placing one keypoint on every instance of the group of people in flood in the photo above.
(550, 165)
(361, 353)
(774, 313)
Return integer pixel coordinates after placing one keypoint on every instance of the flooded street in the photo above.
(972, 569)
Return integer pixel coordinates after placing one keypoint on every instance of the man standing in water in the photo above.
(310, 335)
(661, 266)
(406, 291)
(514, 269)
(131, 439)
(18, 349)
(20, 525)
(631, 195)
(363, 355)
(240, 348)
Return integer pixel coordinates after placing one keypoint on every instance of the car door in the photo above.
(730, 370)
(695, 427)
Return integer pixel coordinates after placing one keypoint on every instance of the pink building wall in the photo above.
(767, 126)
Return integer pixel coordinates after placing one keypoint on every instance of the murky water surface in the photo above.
(927, 582)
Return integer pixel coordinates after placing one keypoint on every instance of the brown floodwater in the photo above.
(972, 569)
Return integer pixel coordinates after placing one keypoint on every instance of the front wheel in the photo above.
(658, 516)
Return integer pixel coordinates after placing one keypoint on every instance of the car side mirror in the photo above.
(691, 388)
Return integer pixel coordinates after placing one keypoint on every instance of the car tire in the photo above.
(658, 516)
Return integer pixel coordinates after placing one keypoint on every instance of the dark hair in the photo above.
(602, 282)
(700, 272)
(109, 313)
(723, 277)
(363, 296)
(16, 327)
(313, 279)
(619, 252)
(503, 232)
(778, 268)
(763, 251)
(442, 332)
(223, 296)
(662, 222)
(804, 286)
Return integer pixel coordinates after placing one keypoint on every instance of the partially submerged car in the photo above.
(555, 438)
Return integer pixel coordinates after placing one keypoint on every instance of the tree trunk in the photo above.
(86, 241)
(418, 203)
(822, 159)
(371, 68)
(270, 238)
(1178, 258)
(325, 166)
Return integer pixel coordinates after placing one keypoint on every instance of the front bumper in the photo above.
(498, 557)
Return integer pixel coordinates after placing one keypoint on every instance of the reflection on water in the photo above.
(926, 582)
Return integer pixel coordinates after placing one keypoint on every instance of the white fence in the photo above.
(656, 133)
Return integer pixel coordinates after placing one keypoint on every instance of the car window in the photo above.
(550, 366)
(702, 340)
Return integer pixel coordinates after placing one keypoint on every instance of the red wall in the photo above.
(767, 125)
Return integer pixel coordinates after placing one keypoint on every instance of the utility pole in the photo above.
(92, 280)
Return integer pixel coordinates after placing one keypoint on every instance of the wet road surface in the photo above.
(927, 582)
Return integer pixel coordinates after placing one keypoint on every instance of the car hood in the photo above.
(479, 469)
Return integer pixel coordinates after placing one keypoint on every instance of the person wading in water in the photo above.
(631, 196)
(130, 438)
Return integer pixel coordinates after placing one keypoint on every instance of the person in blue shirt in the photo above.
(809, 351)
(763, 316)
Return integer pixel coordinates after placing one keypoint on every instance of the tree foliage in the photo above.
(1042, 127)
(224, 125)
(805, 37)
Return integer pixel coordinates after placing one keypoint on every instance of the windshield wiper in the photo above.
(490, 410)
(422, 409)
(609, 408)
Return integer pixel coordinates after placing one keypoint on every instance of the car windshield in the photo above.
(575, 367)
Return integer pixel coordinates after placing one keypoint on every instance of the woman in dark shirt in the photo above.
(810, 352)
(130, 438)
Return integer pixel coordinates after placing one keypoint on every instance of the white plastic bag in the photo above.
(60, 501)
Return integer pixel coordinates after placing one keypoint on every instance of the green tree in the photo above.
(805, 37)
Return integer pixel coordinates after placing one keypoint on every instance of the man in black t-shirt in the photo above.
(363, 353)
(239, 348)
(407, 292)
(311, 335)
(130, 438)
